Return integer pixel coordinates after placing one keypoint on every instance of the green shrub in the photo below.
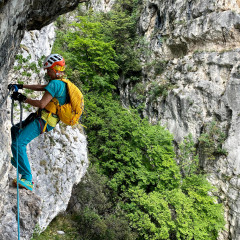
(27, 66)
(187, 213)
(188, 158)
(96, 214)
(159, 89)
(211, 141)
(129, 150)
(64, 223)
(138, 159)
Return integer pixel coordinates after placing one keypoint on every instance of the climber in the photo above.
(34, 124)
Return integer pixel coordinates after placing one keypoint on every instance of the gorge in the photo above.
(188, 81)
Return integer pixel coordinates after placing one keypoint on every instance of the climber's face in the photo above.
(51, 73)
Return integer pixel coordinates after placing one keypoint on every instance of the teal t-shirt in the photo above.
(58, 89)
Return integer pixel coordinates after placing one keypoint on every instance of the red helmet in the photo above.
(53, 60)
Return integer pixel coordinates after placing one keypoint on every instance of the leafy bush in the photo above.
(188, 157)
(95, 211)
(96, 45)
(160, 89)
(129, 150)
(182, 213)
(87, 52)
(138, 159)
(26, 66)
(211, 140)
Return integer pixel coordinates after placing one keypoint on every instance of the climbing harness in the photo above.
(15, 88)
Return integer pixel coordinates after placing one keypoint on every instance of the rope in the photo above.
(1, 104)
(18, 208)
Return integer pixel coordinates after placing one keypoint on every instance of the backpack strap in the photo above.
(45, 126)
(52, 106)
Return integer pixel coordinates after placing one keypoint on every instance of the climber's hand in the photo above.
(11, 86)
(18, 96)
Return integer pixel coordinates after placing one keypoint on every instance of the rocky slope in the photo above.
(193, 52)
(59, 158)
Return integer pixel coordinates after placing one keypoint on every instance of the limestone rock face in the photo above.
(59, 161)
(59, 158)
(190, 79)
(29, 213)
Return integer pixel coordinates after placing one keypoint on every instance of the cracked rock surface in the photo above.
(59, 158)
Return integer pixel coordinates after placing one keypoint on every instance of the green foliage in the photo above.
(142, 186)
(60, 22)
(97, 217)
(208, 215)
(89, 54)
(149, 214)
(20, 82)
(140, 90)
(121, 25)
(182, 213)
(21, 59)
(33, 66)
(211, 140)
(28, 91)
(187, 156)
(94, 227)
(159, 66)
(64, 223)
(96, 45)
(139, 161)
(130, 151)
(160, 89)
(93, 193)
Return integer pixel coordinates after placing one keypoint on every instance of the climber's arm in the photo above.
(37, 87)
(47, 97)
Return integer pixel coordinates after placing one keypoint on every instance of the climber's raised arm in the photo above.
(37, 87)
(47, 97)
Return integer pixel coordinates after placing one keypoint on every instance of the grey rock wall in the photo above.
(57, 163)
(102, 5)
(193, 53)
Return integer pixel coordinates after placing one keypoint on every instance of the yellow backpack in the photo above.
(69, 113)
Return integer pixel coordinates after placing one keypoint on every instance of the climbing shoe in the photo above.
(23, 183)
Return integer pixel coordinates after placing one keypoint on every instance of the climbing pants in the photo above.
(20, 139)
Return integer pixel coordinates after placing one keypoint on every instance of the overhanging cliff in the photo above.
(58, 166)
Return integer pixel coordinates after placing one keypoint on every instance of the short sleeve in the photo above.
(51, 88)
(58, 90)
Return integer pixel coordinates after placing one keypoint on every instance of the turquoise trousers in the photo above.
(20, 139)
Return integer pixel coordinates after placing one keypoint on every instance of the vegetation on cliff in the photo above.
(136, 188)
